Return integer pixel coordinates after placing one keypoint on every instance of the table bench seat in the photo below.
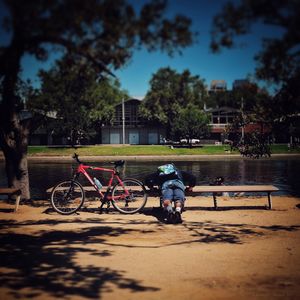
(212, 189)
(215, 190)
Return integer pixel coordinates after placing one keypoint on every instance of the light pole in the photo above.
(123, 120)
(242, 108)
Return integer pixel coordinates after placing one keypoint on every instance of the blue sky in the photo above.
(229, 65)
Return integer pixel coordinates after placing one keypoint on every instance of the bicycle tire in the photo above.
(67, 197)
(132, 203)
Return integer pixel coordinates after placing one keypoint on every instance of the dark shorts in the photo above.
(173, 194)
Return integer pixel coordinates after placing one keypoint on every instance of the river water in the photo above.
(282, 172)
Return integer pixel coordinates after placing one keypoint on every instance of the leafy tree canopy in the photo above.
(169, 92)
(247, 97)
(279, 58)
(191, 122)
(73, 93)
(102, 32)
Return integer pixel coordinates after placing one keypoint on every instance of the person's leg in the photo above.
(167, 196)
(179, 199)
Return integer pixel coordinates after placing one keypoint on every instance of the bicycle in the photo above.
(128, 196)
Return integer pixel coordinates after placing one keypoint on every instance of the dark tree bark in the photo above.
(16, 166)
(14, 142)
(13, 131)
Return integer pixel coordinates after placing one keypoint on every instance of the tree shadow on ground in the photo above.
(225, 208)
(94, 210)
(46, 263)
(6, 210)
(213, 232)
(157, 212)
(10, 224)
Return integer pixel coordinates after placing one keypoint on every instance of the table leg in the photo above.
(269, 200)
(18, 198)
(215, 201)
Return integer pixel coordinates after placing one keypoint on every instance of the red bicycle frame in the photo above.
(82, 170)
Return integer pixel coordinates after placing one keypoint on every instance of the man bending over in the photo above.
(171, 182)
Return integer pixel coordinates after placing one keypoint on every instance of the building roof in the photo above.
(222, 109)
(218, 85)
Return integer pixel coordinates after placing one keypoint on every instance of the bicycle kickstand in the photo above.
(107, 206)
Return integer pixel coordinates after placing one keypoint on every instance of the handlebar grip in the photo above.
(75, 156)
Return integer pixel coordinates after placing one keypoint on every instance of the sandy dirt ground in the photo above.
(241, 251)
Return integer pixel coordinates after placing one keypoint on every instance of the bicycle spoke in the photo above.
(67, 197)
(130, 197)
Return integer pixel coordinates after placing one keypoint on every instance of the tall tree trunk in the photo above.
(14, 146)
(17, 172)
(14, 132)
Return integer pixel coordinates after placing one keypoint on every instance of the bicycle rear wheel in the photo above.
(67, 197)
(129, 197)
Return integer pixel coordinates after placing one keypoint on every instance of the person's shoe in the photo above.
(165, 215)
(177, 217)
(170, 217)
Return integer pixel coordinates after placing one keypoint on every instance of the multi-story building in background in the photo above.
(129, 128)
(240, 83)
(218, 86)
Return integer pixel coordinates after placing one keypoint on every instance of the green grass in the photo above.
(283, 148)
(135, 150)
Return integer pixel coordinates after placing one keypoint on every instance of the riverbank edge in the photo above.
(93, 158)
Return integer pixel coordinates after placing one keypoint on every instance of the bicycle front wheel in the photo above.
(129, 197)
(67, 197)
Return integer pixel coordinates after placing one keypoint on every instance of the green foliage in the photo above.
(169, 93)
(246, 96)
(255, 145)
(287, 104)
(219, 99)
(191, 122)
(104, 95)
(78, 101)
(101, 32)
(279, 58)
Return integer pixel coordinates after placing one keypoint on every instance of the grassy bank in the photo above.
(134, 150)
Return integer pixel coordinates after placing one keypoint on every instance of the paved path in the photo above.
(92, 158)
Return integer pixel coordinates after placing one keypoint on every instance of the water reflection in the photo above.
(281, 172)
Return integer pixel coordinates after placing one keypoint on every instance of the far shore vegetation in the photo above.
(136, 150)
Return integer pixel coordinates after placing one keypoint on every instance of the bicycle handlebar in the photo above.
(118, 163)
(76, 157)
